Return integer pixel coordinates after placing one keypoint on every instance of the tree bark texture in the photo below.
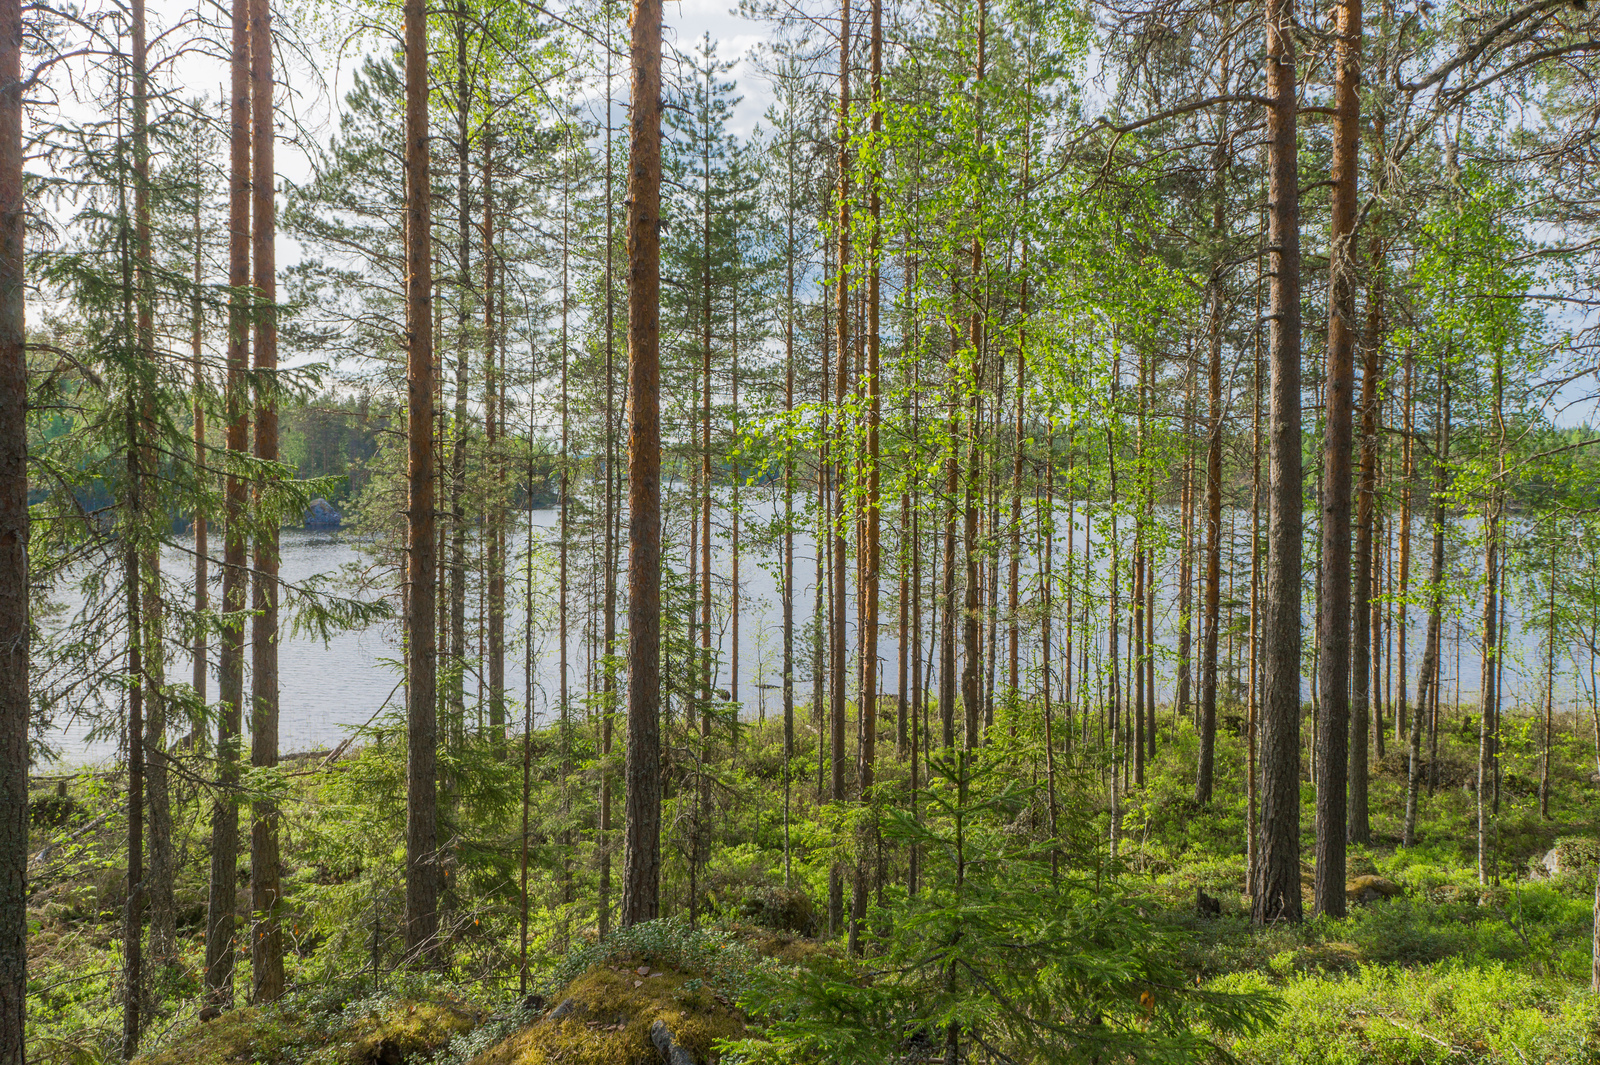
(14, 536)
(266, 941)
(1276, 892)
(422, 722)
(641, 869)
(1333, 616)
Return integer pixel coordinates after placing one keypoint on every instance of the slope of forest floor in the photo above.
(1429, 966)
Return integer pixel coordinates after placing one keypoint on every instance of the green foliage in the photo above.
(1000, 950)
(718, 958)
(1446, 1012)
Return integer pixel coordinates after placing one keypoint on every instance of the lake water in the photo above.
(329, 688)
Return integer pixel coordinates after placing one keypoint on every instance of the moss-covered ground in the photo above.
(1434, 967)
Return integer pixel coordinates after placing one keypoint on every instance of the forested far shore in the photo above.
(999, 532)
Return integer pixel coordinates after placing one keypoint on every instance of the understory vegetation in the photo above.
(1060, 948)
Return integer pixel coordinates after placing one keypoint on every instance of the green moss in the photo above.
(406, 1030)
(613, 1009)
(366, 1032)
(243, 1036)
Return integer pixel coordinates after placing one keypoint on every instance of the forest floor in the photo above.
(1429, 966)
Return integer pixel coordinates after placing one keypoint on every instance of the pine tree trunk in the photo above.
(1488, 672)
(455, 625)
(222, 904)
(1275, 896)
(972, 655)
(867, 652)
(1364, 675)
(1428, 681)
(947, 582)
(609, 682)
(158, 883)
(133, 989)
(202, 593)
(495, 410)
(641, 869)
(14, 537)
(1253, 695)
(836, 634)
(1186, 502)
(266, 943)
(1212, 618)
(1491, 646)
(1549, 693)
(1333, 616)
(788, 514)
(422, 723)
(563, 693)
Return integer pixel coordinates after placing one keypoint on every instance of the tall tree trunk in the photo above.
(1594, 965)
(456, 625)
(788, 504)
(15, 626)
(641, 869)
(422, 722)
(920, 736)
(1275, 896)
(1047, 530)
(202, 593)
(1186, 523)
(564, 533)
(1364, 674)
(494, 385)
(1014, 573)
(1113, 698)
(841, 490)
(971, 665)
(1407, 473)
(221, 906)
(1136, 641)
(266, 944)
(1489, 675)
(133, 989)
(609, 683)
(733, 507)
(1491, 647)
(158, 883)
(867, 699)
(1333, 619)
(1212, 618)
(1549, 690)
(1428, 681)
(1253, 695)
(135, 321)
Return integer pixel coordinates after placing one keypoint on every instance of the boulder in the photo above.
(1569, 856)
(321, 515)
(783, 909)
(667, 1047)
(1366, 889)
(625, 1013)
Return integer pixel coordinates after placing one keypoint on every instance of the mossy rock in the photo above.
(1572, 855)
(399, 1031)
(1371, 888)
(1360, 865)
(604, 1017)
(243, 1036)
(786, 947)
(782, 909)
